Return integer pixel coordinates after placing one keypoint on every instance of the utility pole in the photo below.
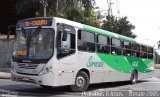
(118, 7)
(45, 4)
(109, 7)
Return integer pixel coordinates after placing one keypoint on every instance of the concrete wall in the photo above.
(6, 48)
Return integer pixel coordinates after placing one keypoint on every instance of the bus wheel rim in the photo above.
(80, 81)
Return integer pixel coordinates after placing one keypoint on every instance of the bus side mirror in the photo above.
(65, 35)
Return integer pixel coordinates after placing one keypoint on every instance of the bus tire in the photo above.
(134, 77)
(81, 82)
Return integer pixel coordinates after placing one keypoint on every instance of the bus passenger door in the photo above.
(65, 53)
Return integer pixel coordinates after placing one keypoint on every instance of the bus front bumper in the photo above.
(45, 79)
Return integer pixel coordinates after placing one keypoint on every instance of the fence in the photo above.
(6, 48)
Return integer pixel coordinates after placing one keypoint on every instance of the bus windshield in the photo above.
(34, 43)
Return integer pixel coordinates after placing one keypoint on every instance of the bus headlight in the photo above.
(46, 70)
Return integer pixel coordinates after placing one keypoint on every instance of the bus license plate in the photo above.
(25, 79)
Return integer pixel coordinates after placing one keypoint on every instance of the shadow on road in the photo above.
(32, 90)
(111, 85)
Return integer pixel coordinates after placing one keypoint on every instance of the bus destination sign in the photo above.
(34, 22)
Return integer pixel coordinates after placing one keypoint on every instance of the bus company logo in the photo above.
(135, 64)
(115, 62)
(92, 63)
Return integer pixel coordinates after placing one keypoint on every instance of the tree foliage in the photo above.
(76, 10)
(119, 25)
(158, 43)
(22, 6)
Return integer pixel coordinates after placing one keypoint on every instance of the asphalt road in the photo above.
(9, 88)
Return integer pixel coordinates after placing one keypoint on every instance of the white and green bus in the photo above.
(54, 52)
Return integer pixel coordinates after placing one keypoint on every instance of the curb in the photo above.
(5, 75)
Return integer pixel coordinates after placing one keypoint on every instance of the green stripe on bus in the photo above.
(147, 62)
(98, 31)
(141, 66)
(126, 64)
(117, 63)
(106, 33)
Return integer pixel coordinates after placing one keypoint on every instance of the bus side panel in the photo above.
(117, 68)
(81, 60)
(67, 69)
(112, 75)
(93, 64)
(142, 75)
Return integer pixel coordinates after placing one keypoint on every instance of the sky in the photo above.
(143, 14)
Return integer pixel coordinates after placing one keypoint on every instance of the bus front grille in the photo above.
(27, 65)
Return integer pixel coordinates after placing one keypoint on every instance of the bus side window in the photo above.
(86, 41)
(150, 56)
(65, 47)
(103, 44)
(116, 46)
(150, 53)
(126, 48)
(135, 50)
(143, 50)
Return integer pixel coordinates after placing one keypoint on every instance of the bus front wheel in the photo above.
(134, 77)
(81, 82)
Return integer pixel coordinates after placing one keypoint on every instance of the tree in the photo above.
(119, 25)
(22, 6)
(158, 43)
(76, 10)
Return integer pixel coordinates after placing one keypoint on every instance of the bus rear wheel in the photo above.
(81, 82)
(134, 77)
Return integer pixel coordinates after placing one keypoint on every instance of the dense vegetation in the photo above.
(77, 10)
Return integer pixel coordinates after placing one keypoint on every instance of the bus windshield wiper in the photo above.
(31, 35)
(35, 33)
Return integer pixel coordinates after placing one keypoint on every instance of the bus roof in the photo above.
(107, 33)
(98, 31)
(94, 29)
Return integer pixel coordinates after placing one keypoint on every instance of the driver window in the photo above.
(65, 40)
